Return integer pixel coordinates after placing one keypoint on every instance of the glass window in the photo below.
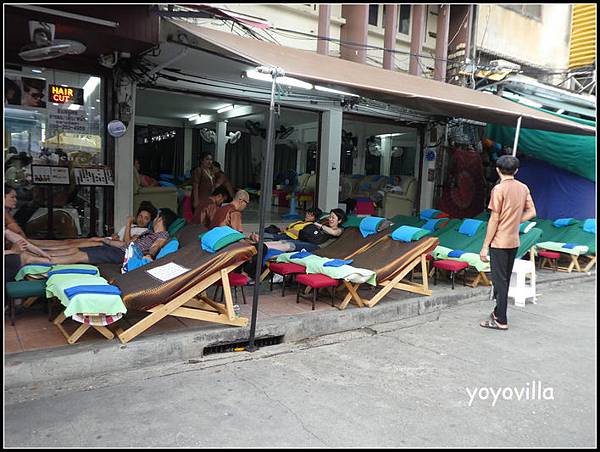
(53, 118)
(404, 20)
(373, 14)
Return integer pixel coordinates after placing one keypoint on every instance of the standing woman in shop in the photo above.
(203, 185)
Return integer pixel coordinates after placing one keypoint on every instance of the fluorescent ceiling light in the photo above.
(193, 117)
(391, 134)
(334, 91)
(225, 108)
(37, 71)
(289, 81)
(201, 119)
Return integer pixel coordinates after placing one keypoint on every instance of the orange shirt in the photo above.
(509, 199)
(227, 216)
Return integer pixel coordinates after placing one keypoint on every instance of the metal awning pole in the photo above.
(267, 180)
(514, 153)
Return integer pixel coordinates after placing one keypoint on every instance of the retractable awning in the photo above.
(397, 88)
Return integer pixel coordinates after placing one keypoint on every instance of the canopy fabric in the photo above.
(409, 91)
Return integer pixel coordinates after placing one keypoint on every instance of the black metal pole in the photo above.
(267, 180)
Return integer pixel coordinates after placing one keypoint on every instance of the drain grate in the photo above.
(241, 345)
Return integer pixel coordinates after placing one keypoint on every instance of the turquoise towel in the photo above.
(74, 271)
(431, 225)
(409, 233)
(101, 290)
(337, 263)
(562, 222)
(300, 255)
(428, 214)
(469, 227)
(210, 239)
(169, 248)
(456, 253)
(369, 225)
(589, 225)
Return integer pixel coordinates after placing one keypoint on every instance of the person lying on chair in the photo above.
(113, 251)
(145, 214)
(293, 230)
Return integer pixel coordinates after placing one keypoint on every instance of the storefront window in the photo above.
(55, 119)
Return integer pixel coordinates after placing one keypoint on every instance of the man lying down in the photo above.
(111, 251)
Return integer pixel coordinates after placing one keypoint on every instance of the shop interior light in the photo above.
(73, 107)
(37, 71)
(289, 81)
(193, 117)
(225, 108)
(90, 86)
(334, 91)
(201, 119)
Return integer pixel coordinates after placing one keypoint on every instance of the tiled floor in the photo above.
(33, 330)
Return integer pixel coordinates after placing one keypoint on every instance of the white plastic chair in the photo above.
(519, 289)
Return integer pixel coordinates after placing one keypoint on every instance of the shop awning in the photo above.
(409, 91)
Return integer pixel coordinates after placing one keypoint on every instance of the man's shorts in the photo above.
(104, 254)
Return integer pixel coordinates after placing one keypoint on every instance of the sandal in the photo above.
(492, 324)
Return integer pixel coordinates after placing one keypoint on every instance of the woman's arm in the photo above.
(334, 232)
(127, 234)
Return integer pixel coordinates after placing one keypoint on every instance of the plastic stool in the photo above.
(551, 256)
(285, 269)
(452, 266)
(316, 282)
(518, 288)
(235, 280)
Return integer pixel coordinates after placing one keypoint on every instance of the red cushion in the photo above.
(453, 266)
(235, 280)
(549, 254)
(282, 268)
(316, 281)
(429, 257)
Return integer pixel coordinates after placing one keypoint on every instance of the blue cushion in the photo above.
(270, 254)
(407, 233)
(368, 225)
(589, 225)
(357, 176)
(469, 227)
(364, 187)
(431, 225)
(569, 246)
(163, 183)
(74, 271)
(170, 247)
(167, 176)
(428, 214)
(300, 255)
(210, 239)
(91, 289)
(337, 263)
(562, 222)
(456, 253)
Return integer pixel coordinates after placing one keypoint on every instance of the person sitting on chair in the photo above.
(206, 214)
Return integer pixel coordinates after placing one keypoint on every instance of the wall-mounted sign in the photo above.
(93, 176)
(68, 121)
(65, 95)
(116, 128)
(53, 175)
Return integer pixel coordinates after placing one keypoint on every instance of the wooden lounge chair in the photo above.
(392, 261)
(183, 296)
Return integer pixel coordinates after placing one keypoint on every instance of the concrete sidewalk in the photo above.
(422, 382)
(47, 367)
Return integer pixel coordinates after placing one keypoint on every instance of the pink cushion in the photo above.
(235, 280)
(549, 254)
(453, 266)
(282, 268)
(316, 281)
(429, 257)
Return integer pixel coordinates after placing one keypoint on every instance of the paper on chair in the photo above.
(167, 272)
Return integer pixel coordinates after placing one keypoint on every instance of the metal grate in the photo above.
(241, 345)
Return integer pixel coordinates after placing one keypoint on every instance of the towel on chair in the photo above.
(300, 255)
(456, 253)
(589, 225)
(369, 225)
(434, 224)
(92, 289)
(409, 234)
(429, 214)
(469, 227)
(219, 237)
(562, 222)
(337, 263)
(72, 271)
(569, 246)
(526, 226)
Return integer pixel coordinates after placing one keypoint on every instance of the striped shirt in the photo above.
(145, 241)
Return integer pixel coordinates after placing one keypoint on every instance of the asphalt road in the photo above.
(446, 382)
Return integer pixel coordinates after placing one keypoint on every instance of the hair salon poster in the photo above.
(25, 91)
